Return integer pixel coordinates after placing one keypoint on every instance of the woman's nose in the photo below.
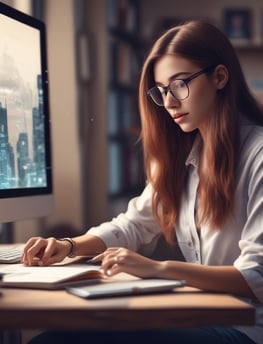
(171, 101)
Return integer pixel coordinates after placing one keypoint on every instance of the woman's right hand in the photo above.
(42, 252)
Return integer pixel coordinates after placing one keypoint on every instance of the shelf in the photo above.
(125, 166)
(123, 15)
(125, 161)
(124, 36)
(248, 47)
(120, 87)
(130, 136)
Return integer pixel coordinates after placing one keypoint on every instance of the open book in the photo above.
(48, 277)
(84, 280)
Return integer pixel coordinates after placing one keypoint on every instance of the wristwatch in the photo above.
(72, 251)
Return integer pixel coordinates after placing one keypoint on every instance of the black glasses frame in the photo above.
(186, 81)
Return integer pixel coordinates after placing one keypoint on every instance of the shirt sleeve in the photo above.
(250, 261)
(135, 229)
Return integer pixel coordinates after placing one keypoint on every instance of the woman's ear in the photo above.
(221, 76)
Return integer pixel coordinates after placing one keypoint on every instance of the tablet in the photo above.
(134, 287)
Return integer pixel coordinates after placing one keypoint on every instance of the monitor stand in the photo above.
(6, 233)
(6, 237)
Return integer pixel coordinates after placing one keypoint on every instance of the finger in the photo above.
(105, 254)
(30, 243)
(31, 250)
(36, 251)
(111, 265)
(112, 270)
(26, 247)
(49, 261)
(48, 251)
(98, 257)
(112, 249)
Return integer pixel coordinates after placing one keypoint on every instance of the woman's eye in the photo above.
(178, 84)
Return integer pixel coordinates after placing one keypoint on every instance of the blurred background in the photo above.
(95, 52)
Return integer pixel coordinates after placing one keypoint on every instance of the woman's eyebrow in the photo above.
(174, 76)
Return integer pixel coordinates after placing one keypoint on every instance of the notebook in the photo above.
(48, 277)
(122, 288)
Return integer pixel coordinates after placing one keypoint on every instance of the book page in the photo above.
(19, 273)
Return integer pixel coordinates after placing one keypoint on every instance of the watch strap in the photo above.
(72, 252)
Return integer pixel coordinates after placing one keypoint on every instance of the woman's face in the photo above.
(195, 111)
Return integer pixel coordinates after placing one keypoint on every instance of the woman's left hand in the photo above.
(117, 259)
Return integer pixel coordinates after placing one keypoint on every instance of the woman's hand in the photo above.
(40, 251)
(115, 260)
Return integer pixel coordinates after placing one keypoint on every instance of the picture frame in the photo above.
(237, 24)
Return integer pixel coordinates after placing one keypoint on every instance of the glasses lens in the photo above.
(156, 96)
(179, 89)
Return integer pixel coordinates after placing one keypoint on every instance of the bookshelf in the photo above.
(243, 26)
(251, 61)
(125, 162)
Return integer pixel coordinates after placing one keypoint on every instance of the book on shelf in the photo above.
(130, 168)
(122, 14)
(115, 167)
(48, 277)
(125, 112)
(125, 167)
(257, 89)
(113, 114)
(123, 59)
(136, 167)
(121, 117)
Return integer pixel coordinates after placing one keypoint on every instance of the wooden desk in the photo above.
(186, 307)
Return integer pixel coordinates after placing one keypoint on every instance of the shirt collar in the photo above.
(193, 157)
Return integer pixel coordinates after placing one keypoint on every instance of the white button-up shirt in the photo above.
(238, 243)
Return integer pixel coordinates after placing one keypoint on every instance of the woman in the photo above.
(202, 134)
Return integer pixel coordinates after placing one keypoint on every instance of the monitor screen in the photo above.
(25, 148)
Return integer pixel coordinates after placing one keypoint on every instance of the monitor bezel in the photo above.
(39, 25)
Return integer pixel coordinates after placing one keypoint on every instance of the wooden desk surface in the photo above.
(186, 307)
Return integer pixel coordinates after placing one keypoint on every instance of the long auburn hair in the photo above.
(166, 146)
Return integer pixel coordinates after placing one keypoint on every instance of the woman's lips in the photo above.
(178, 117)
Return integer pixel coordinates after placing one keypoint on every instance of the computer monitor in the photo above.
(25, 146)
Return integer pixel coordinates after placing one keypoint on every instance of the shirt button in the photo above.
(189, 243)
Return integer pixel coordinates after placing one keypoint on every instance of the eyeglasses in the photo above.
(178, 87)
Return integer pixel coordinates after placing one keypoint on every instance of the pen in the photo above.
(91, 261)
